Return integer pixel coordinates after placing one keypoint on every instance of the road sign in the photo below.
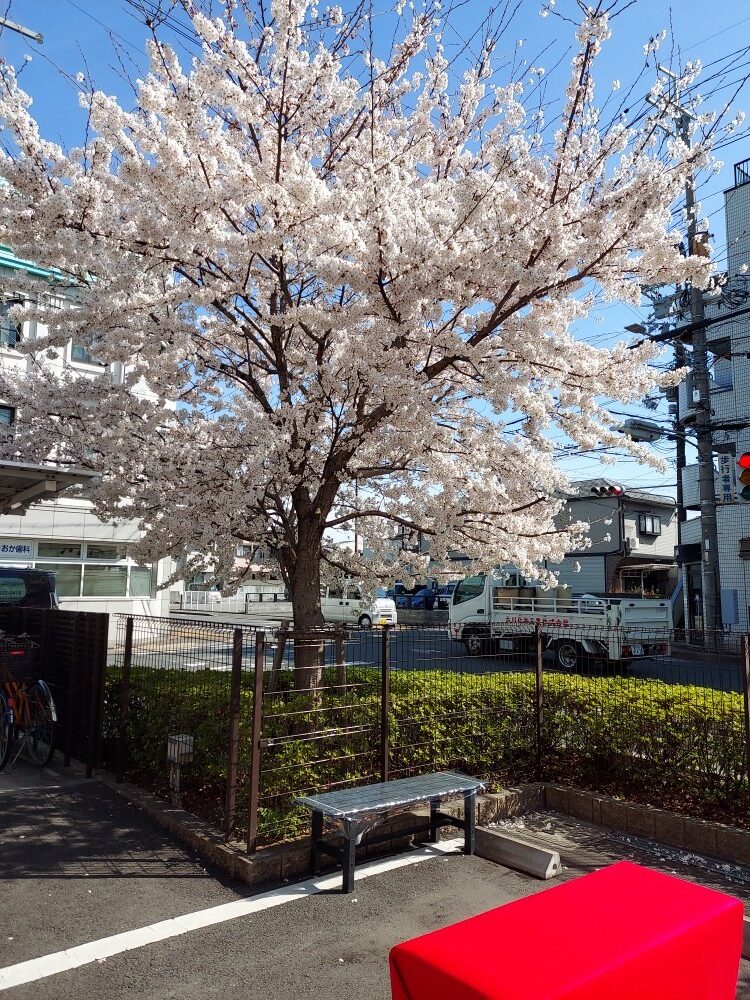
(727, 485)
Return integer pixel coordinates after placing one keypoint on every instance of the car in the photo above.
(420, 598)
(424, 599)
(445, 595)
(27, 588)
(344, 603)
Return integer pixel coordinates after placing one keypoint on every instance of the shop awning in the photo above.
(22, 484)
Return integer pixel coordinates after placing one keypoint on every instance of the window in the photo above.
(720, 365)
(68, 577)
(649, 524)
(744, 548)
(472, 586)
(336, 593)
(10, 331)
(7, 416)
(82, 355)
(12, 589)
(59, 550)
(105, 581)
(140, 581)
(104, 551)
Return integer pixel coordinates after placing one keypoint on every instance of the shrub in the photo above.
(670, 745)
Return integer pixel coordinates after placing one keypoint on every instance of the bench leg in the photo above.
(350, 848)
(433, 821)
(315, 836)
(470, 822)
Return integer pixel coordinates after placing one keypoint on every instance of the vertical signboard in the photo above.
(727, 482)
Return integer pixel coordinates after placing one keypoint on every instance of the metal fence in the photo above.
(187, 679)
(72, 659)
(210, 601)
(270, 715)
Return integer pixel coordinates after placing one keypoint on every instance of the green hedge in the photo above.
(670, 745)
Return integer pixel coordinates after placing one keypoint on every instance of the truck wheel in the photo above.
(568, 654)
(475, 644)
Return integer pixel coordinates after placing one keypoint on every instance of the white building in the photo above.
(729, 368)
(92, 559)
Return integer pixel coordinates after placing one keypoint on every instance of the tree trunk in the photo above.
(309, 647)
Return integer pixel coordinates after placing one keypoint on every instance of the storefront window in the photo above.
(67, 578)
(140, 581)
(59, 550)
(104, 551)
(105, 581)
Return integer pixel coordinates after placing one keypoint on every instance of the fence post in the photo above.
(234, 733)
(538, 699)
(339, 648)
(746, 699)
(278, 656)
(122, 722)
(385, 698)
(255, 737)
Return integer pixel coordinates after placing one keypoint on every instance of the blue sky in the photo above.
(76, 39)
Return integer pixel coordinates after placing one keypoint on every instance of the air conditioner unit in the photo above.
(631, 543)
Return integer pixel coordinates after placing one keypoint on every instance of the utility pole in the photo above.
(704, 442)
(679, 362)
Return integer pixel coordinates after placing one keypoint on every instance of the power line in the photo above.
(716, 34)
(106, 27)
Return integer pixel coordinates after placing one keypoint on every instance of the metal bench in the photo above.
(355, 810)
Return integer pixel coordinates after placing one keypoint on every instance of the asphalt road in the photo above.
(424, 649)
(78, 864)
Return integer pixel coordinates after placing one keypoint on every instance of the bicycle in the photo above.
(27, 709)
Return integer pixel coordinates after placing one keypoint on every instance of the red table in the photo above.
(622, 933)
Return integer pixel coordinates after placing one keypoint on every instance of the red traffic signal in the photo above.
(607, 489)
(744, 477)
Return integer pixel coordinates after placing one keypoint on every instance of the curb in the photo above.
(520, 855)
(281, 862)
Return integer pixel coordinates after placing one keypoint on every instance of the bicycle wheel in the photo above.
(40, 731)
(6, 730)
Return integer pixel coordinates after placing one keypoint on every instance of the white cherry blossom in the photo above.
(349, 288)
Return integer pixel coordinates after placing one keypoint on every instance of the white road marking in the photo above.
(94, 951)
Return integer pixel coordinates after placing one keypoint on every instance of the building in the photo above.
(729, 368)
(633, 537)
(92, 558)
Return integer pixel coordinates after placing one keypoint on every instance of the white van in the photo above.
(344, 604)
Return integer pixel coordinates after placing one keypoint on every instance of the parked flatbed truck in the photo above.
(496, 613)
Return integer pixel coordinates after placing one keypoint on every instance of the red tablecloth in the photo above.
(622, 933)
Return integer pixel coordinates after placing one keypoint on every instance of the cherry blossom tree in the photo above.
(348, 286)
